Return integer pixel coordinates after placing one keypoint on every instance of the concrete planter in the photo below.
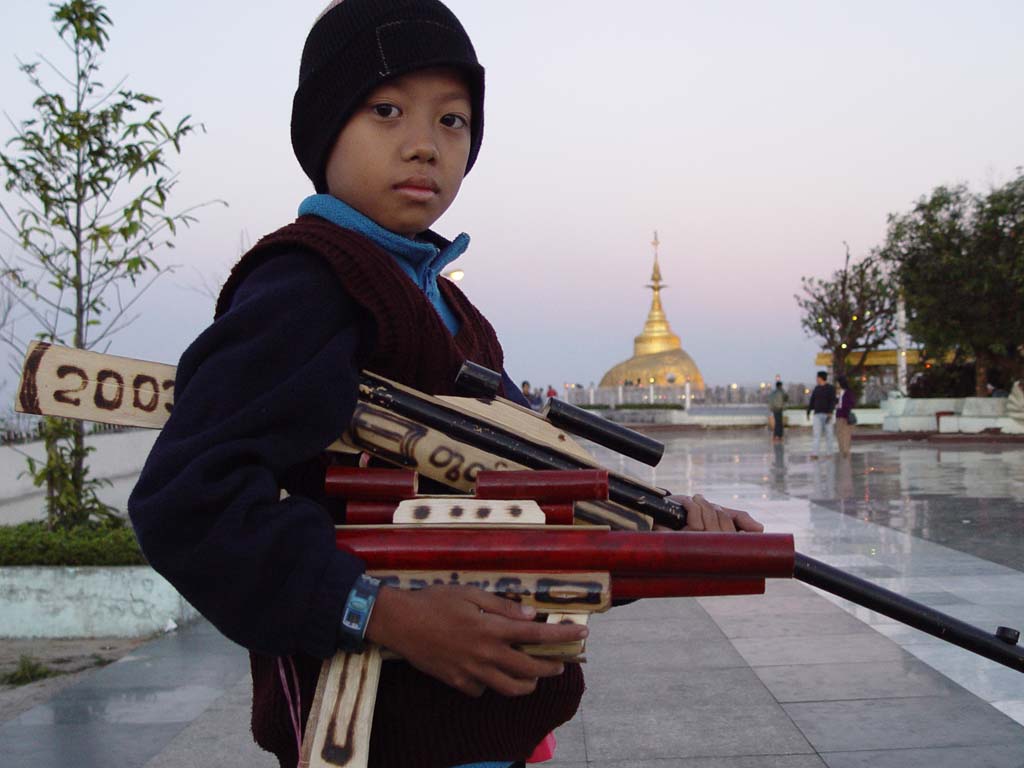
(48, 602)
(966, 415)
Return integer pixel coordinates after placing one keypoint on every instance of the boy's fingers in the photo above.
(521, 633)
(702, 515)
(500, 606)
(694, 516)
(509, 686)
(467, 685)
(724, 519)
(520, 665)
(509, 678)
(707, 518)
(745, 522)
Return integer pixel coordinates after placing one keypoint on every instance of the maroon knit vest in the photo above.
(418, 721)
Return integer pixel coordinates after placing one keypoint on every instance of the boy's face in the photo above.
(401, 156)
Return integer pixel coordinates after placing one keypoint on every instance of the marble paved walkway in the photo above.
(790, 679)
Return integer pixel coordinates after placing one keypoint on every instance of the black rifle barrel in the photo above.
(907, 611)
(639, 498)
(603, 432)
(489, 437)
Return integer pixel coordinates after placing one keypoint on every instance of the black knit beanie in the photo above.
(357, 45)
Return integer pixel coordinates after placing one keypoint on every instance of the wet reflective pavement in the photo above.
(941, 525)
(969, 498)
(790, 679)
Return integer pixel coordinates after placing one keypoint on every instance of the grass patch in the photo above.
(93, 544)
(28, 671)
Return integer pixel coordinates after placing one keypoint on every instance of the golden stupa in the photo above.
(658, 356)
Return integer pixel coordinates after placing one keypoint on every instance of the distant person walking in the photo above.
(777, 403)
(822, 405)
(532, 396)
(844, 429)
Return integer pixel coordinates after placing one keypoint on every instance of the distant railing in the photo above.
(21, 428)
(676, 395)
(612, 396)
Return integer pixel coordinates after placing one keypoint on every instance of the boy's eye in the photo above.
(451, 120)
(386, 110)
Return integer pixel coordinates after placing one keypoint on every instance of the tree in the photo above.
(88, 182)
(852, 313)
(959, 258)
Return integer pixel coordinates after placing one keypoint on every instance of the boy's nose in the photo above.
(421, 146)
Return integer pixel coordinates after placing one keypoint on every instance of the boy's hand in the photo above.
(702, 515)
(464, 637)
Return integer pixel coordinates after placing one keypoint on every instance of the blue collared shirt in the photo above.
(422, 260)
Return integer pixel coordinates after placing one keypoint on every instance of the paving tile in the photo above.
(196, 638)
(980, 676)
(873, 571)
(766, 626)
(819, 649)
(667, 656)
(870, 680)
(93, 745)
(658, 691)
(221, 736)
(572, 746)
(936, 598)
(133, 706)
(650, 630)
(691, 731)
(752, 761)
(785, 588)
(997, 756)
(932, 721)
(167, 671)
(766, 605)
(907, 636)
(685, 608)
(1013, 708)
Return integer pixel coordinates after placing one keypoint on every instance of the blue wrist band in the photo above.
(355, 616)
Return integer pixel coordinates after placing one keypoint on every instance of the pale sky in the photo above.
(755, 137)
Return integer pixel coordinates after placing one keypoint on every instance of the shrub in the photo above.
(93, 544)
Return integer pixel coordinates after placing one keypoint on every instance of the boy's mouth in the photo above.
(418, 187)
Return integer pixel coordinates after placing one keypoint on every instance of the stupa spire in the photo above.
(656, 336)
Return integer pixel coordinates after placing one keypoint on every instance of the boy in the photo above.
(386, 121)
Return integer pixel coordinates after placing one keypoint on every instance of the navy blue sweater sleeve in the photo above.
(266, 387)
